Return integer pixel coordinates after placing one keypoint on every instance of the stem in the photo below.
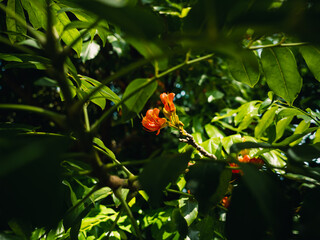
(127, 171)
(115, 222)
(128, 163)
(58, 118)
(190, 140)
(86, 116)
(119, 195)
(95, 188)
(97, 124)
(304, 112)
(277, 45)
(179, 192)
(53, 49)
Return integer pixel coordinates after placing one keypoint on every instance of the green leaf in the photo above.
(180, 223)
(224, 182)
(246, 122)
(246, 68)
(68, 36)
(162, 170)
(213, 146)
(214, 95)
(46, 82)
(17, 29)
(203, 181)
(227, 142)
(135, 104)
(311, 55)
(188, 209)
(88, 84)
(36, 12)
(295, 137)
(90, 50)
(303, 126)
(281, 126)
(206, 228)
(134, 21)
(303, 153)
(213, 131)
(237, 147)
(253, 205)
(11, 129)
(100, 194)
(246, 109)
(100, 144)
(150, 50)
(288, 112)
(280, 69)
(317, 136)
(265, 122)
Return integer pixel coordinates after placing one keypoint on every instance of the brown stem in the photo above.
(188, 138)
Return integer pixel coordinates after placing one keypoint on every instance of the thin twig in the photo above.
(277, 45)
(124, 203)
(188, 138)
(117, 162)
(180, 193)
(114, 224)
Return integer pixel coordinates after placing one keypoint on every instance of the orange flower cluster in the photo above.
(246, 159)
(152, 122)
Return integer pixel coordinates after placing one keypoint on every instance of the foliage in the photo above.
(240, 159)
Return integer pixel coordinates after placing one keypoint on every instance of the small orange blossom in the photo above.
(153, 122)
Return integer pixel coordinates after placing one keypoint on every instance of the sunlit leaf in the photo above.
(265, 122)
(89, 51)
(280, 69)
(213, 131)
(17, 29)
(100, 144)
(189, 209)
(70, 35)
(281, 126)
(227, 142)
(302, 127)
(36, 12)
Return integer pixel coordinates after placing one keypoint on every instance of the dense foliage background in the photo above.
(78, 76)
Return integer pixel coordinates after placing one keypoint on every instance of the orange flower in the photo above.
(246, 159)
(167, 100)
(257, 161)
(236, 166)
(225, 202)
(153, 122)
